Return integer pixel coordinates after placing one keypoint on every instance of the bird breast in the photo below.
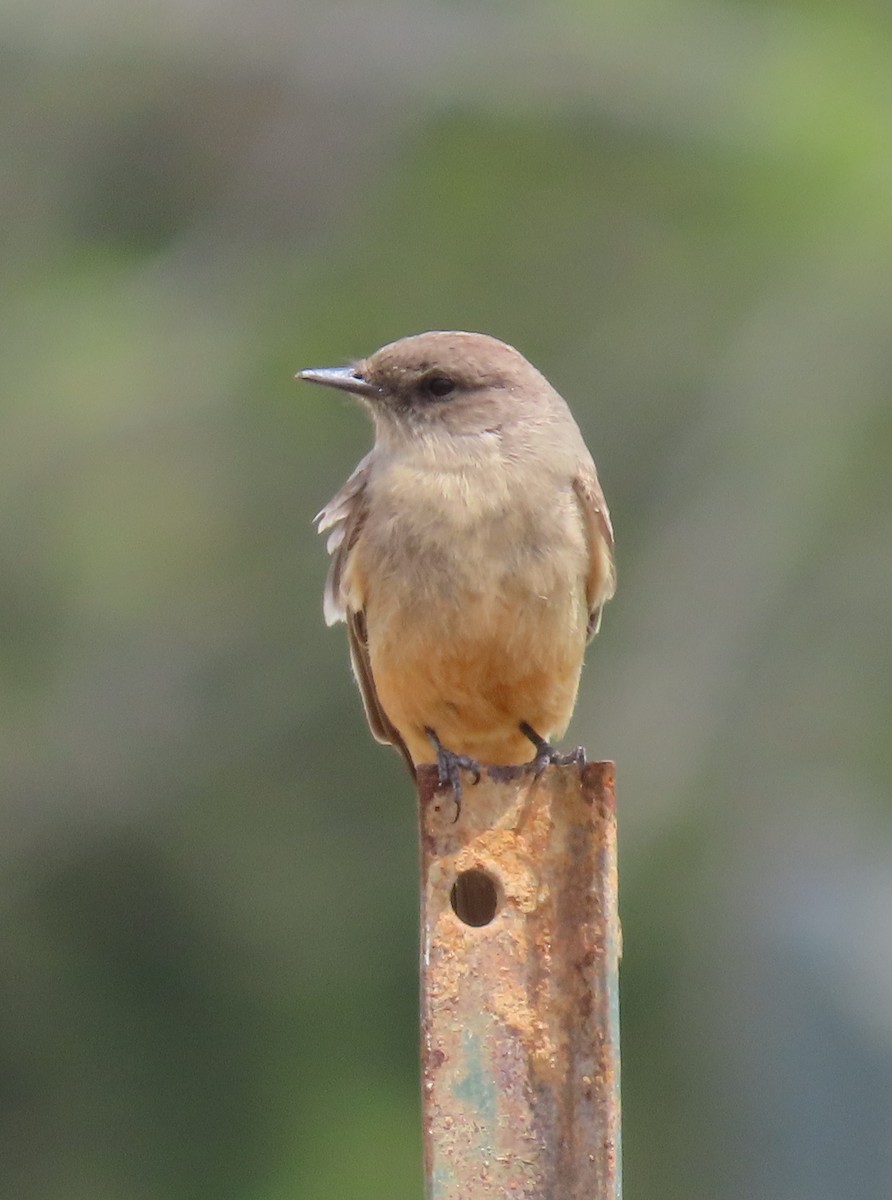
(472, 545)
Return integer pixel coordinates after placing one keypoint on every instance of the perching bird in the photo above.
(471, 553)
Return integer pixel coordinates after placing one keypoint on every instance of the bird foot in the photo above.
(546, 754)
(450, 767)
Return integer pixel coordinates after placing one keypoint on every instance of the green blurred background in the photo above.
(680, 211)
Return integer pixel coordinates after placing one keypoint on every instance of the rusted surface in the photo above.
(520, 1016)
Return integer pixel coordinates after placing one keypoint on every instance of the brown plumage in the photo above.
(471, 549)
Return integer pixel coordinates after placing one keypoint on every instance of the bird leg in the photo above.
(547, 754)
(450, 767)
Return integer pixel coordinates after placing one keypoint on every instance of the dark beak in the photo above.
(344, 378)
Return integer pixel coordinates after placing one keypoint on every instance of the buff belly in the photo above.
(474, 672)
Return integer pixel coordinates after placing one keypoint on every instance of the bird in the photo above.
(472, 553)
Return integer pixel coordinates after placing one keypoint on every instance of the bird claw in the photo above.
(546, 754)
(450, 767)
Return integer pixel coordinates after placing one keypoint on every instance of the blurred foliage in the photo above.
(679, 211)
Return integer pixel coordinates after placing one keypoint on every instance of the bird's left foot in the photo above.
(450, 767)
(546, 754)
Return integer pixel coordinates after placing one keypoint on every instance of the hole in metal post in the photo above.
(474, 897)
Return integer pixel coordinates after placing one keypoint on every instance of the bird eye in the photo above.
(439, 386)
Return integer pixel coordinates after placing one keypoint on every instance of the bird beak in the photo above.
(344, 378)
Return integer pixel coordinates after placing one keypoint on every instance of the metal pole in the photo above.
(519, 988)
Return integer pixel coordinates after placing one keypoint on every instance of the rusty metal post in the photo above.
(519, 988)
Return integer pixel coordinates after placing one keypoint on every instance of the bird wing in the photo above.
(601, 580)
(343, 518)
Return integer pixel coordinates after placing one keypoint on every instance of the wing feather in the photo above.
(343, 519)
(601, 581)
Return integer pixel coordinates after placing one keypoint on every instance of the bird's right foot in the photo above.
(450, 767)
